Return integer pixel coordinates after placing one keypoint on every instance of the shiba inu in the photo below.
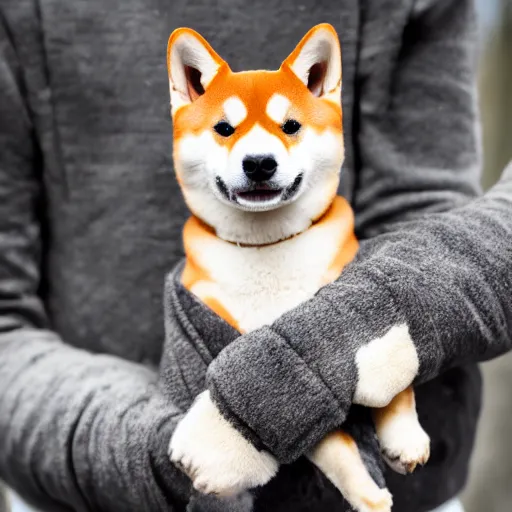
(258, 157)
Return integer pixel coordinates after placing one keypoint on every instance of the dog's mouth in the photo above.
(260, 194)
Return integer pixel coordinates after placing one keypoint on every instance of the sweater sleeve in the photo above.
(431, 286)
(77, 431)
(419, 300)
(417, 140)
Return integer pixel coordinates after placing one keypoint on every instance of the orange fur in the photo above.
(320, 113)
(346, 440)
(194, 273)
(351, 470)
(296, 52)
(402, 403)
(220, 310)
(254, 89)
(348, 245)
(188, 31)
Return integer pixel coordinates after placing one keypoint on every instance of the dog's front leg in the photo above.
(338, 457)
(216, 457)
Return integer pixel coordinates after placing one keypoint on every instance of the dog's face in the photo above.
(257, 141)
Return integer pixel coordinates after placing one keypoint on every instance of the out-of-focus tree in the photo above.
(496, 96)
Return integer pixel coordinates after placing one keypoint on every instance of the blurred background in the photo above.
(490, 484)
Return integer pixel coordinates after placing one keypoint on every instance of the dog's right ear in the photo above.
(192, 64)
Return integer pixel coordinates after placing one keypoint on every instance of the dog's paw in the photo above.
(216, 457)
(405, 445)
(378, 500)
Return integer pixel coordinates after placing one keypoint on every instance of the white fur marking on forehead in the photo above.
(277, 108)
(234, 110)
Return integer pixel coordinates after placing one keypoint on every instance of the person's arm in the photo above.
(417, 139)
(427, 292)
(77, 431)
(433, 295)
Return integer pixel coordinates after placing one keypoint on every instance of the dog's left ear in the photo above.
(192, 65)
(316, 61)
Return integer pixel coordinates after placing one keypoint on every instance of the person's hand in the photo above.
(216, 457)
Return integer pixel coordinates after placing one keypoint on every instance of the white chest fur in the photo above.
(256, 285)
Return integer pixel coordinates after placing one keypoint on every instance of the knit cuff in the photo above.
(283, 403)
(288, 385)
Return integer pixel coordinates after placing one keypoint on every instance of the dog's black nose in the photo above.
(259, 167)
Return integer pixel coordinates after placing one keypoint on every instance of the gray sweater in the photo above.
(91, 217)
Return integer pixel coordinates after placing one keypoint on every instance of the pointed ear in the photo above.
(316, 60)
(192, 64)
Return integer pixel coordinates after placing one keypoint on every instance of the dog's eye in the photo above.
(224, 129)
(291, 126)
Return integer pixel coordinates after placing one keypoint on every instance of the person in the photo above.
(91, 218)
